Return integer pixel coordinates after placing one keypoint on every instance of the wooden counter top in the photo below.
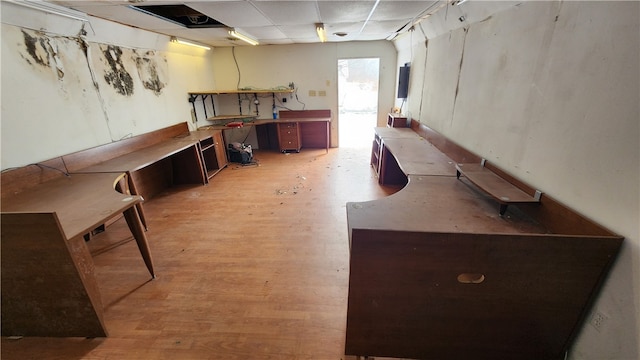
(267, 121)
(438, 204)
(416, 156)
(141, 158)
(81, 201)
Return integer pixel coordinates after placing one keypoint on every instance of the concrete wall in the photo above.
(549, 91)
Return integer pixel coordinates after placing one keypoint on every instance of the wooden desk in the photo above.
(48, 284)
(153, 168)
(314, 129)
(436, 273)
(411, 156)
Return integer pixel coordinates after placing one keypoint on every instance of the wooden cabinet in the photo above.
(289, 136)
(220, 149)
(396, 120)
(214, 156)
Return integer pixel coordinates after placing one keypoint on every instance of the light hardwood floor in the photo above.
(253, 265)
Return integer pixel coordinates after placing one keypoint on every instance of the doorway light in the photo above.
(51, 9)
(322, 35)
(185, 42)
(243, 37)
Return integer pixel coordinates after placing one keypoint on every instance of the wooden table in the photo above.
(48, 282)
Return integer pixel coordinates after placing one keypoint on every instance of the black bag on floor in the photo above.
(240, 153)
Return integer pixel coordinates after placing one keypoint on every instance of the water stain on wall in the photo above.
(117, 76)
(42, 51)
(148, 72)
(36, 48)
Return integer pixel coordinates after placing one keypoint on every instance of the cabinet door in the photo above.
(221, 151)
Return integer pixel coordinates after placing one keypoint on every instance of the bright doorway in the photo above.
(357, 101)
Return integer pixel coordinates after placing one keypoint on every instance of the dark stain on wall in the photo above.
(36, 48)
(148, 72)
(118, 77)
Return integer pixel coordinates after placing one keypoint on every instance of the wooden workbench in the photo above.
(314, 126)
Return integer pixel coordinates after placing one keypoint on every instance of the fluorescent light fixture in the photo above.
(322, 34)
(51, 9)
(185, 42)
(243, 37)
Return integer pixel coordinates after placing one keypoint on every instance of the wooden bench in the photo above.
(435, 272)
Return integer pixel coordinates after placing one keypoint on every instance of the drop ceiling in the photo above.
(270, 22)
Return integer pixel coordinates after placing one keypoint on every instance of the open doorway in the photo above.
(357, 101)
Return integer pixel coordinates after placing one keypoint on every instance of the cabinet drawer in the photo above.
(288, 133)
(289, 144)
(291, 125)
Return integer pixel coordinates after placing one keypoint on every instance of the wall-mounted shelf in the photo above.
(193, 96)
(498, 188)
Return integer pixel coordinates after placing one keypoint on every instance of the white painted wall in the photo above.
(549, 91)
(308, 66)
(64, 103)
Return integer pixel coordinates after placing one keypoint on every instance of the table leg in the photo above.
(134, 190)
(328, 143)
(138, 231)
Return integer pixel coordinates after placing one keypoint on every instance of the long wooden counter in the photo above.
(436, 272)
(314, 129)
(48, 284)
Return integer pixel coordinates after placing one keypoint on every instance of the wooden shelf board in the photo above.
(254, 91)
(230, 117)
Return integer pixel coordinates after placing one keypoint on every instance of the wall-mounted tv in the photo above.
(403, 81)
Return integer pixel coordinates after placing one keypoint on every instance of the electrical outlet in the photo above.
(322, 93)
(312, 93)
(598, 320)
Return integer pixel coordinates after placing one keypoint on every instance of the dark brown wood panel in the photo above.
(17, 180)
(450, 148)
(322, 113)
(187, 167)
(313, 134)
(153, 179)
(48, 285)
(98, 154)
(405, 299)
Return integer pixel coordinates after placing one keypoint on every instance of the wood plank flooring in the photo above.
(253, 265)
